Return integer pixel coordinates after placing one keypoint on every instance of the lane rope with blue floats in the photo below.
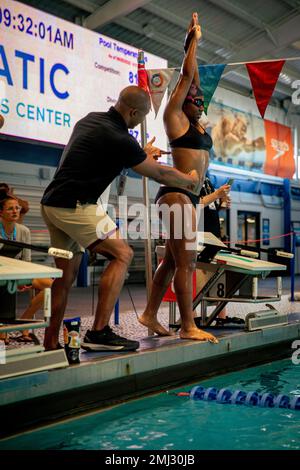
(240, 397)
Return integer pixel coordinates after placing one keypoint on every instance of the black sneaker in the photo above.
(107, 340)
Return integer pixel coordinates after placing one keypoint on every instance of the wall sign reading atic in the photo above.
(53, 73)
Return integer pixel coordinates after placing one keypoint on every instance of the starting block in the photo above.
(27, 359)
(229, 277)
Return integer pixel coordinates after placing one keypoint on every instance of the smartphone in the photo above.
(230, 181)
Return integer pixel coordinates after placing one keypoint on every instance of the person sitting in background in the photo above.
(213, 200)
(22, 203)
(11, 229)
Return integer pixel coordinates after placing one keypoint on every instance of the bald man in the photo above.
(100, 147)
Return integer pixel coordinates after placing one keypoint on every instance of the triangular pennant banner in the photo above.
(209, 78)
(142, 74)
(158, 80)
(264, 76)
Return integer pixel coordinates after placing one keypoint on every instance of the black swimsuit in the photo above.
(192, 139)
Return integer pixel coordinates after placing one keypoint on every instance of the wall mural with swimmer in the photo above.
(243, 140)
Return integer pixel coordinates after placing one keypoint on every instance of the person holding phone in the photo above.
(213, 200)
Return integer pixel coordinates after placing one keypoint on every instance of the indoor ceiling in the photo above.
(232, 30)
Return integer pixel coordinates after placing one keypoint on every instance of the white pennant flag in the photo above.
(158, 80)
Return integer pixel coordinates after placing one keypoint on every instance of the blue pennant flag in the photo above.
(209, 78)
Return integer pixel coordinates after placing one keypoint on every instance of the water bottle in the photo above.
(72, 339)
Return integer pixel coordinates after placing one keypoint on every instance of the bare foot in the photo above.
(197, 334)
(154, 326)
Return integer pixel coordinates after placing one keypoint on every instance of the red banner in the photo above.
(264, 76)
(170, 295)
(279, 150)
(142, 74)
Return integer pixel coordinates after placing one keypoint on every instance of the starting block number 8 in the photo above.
(219, 289)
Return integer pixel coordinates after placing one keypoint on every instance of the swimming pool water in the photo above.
(168, 422)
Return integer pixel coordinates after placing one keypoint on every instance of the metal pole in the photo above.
(297, 158)
(147, 241)
(172, 314)
(292, 265)
(117, 312)
(47, 304)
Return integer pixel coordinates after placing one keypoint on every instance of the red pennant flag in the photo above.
(142, 74)
(264, 76)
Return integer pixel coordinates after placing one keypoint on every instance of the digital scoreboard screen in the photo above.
(52, 73)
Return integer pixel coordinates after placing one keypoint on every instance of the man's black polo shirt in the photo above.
(98, 150)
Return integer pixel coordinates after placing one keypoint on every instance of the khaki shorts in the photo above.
(76, 229)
